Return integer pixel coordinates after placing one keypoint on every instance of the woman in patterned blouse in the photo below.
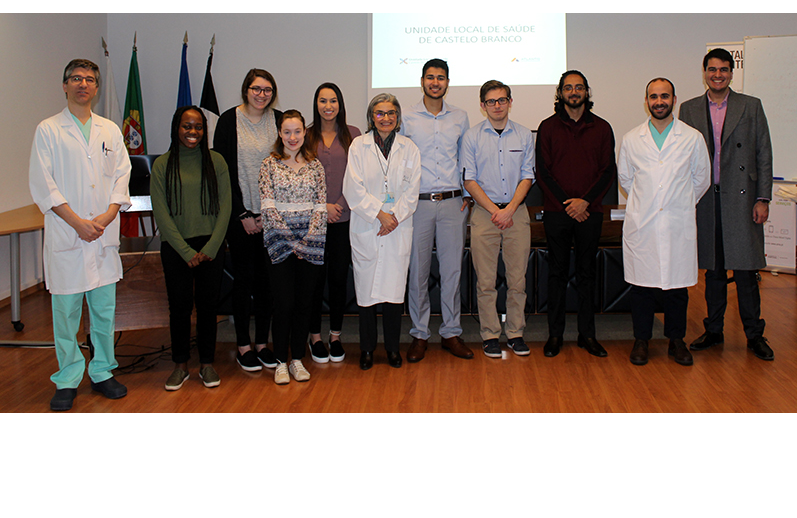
(293, 199)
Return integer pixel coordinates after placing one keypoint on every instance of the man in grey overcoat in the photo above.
(730, 216)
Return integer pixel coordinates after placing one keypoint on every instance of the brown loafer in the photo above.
(456, 346)
(417, 350)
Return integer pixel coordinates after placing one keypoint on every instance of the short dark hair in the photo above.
(493, 84)
(659, 79)
(82, 63)
(436, 63)
(719, 53)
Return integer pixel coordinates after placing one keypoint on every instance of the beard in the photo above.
(439, 95)
(663, 116)
(575, 103)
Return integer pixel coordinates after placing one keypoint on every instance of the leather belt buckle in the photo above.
(436, 196)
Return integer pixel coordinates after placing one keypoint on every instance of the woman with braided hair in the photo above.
(190, 191)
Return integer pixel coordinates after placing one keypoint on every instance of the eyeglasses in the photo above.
(382, 115)
(501, 100)
(265, 91)
(570, 88)
(76, 80)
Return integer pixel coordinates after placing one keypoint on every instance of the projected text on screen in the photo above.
(528, 51)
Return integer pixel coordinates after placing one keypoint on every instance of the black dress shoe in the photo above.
(366, 360)
(639, 354)
(552, 346)
(62, 400)
(592, 346)
(394, 359)
(706, 340)
(679, 352)
(761, 349)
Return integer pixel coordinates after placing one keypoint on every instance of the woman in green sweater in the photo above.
(190, 191)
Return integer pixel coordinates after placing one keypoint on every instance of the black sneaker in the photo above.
(318, 352)
(248, 361)
(336, 352)
(492, 349)
(518, 346)
(267, 358)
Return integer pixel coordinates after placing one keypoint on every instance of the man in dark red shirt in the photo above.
(575, 167)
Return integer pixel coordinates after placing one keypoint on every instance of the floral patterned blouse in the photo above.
(293, 205)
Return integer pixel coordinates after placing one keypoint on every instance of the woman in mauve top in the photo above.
(330, 137)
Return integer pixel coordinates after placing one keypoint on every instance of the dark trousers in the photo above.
(250, 288)
(643, 305)
(337, 257)
(188, 286)
(391, 326)
(717, 289)
(562, 232)
(292, 284)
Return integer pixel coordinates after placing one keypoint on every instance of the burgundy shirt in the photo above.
(575, 159)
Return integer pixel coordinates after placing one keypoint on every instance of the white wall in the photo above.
(619, 54)
(35, 50)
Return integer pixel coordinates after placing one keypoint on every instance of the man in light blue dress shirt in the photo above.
(437, 129)
(498, 160)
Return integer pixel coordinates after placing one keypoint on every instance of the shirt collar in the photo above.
(421, 108)
(721, 104)
(488, 127)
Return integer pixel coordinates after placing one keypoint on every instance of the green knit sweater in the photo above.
(176, 228)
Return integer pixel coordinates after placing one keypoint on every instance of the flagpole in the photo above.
(208, 102)
(184, 88)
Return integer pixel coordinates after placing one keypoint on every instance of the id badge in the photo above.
(389, 198)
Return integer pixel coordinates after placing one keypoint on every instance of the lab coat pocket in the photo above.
(111, 235)
(363, 246)
(108, 160)
(60, 235)
(689, 226)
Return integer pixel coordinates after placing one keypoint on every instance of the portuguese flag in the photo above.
(133, 126)
(133, 132)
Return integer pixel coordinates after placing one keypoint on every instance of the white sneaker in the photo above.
(281, 376)
(298, 371)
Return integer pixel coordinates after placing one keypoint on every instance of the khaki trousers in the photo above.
(487, 240)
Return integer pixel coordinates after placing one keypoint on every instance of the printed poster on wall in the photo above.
(737, 51)
(779, 243)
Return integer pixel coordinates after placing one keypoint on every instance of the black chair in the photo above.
(139, 188)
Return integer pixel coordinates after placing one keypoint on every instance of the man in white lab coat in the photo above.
(79, 172)
(664, 168)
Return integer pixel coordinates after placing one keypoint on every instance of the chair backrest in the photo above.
(139, 176)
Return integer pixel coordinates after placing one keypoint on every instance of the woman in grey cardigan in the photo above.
(244, 136)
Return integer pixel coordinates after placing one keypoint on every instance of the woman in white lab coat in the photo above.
(381, 186)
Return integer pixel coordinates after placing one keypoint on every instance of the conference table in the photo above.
(12, 224)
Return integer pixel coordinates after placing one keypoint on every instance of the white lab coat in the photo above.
(663, 186)
(381, 263)
(89, 177)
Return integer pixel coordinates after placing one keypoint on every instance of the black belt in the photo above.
(439, 196)
(716, 187)
(502, 205)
